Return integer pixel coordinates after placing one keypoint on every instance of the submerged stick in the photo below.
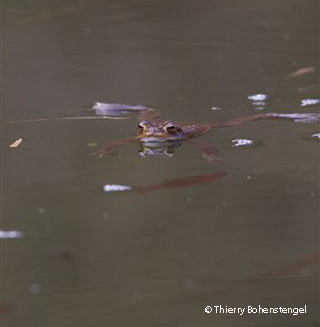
(296, 117)
(167, 184)
(182, 182)
(58, 118)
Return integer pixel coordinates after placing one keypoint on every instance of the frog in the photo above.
(158, 136)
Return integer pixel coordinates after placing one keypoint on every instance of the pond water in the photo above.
(73, 255)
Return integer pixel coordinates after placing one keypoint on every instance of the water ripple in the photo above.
(259, 100)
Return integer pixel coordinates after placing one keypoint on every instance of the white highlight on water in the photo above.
(309, 102)
(316, 135)
(258, 97)
(116, 188)
(242, 142)
(300, 118)
(115, 109)
(11, 234)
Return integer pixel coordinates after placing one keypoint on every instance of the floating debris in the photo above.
(116, 109)
(11, 234)
(258, 97)
(316, 135)
(182, 182)
(167, 184)
(216, 108)
(294, 268)
(33, 120)
(242, 142)
(116, 188)
(16, 143)
(302, 71)
(299, 118)
(309, 102)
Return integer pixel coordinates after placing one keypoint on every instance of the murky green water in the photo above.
(88, 258)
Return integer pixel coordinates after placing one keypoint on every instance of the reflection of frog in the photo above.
(165, 149)
(161, 137)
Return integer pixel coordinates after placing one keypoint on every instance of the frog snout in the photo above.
(153, 130)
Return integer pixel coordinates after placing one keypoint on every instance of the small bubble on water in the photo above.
(216, 108)
(34, 289)
(41, 210)
(188, 283)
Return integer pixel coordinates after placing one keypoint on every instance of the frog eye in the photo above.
(170, 127)
(143, 127)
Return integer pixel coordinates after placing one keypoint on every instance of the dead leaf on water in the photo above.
(16, 143)
(302, 71)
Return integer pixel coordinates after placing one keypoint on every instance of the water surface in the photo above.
(88, 258)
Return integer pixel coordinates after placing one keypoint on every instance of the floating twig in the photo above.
(59, 118)
(301, 71)
(16, 143)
